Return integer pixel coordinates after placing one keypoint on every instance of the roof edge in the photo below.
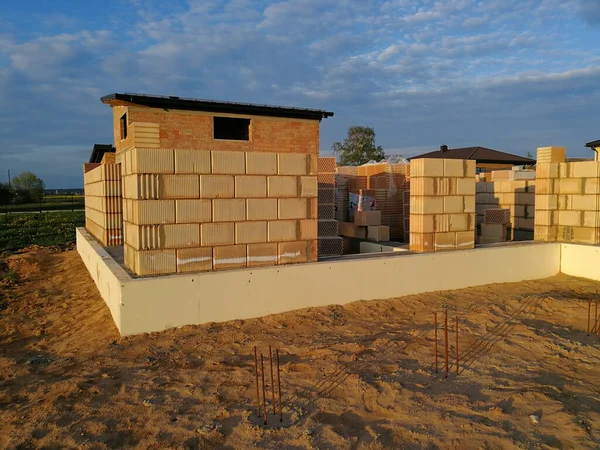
(192, 104)
(593, 144)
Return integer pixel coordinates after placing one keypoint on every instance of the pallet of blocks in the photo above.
(494, 226)
(103, 202)
(330, 243)
(386, 182)
(366, 225)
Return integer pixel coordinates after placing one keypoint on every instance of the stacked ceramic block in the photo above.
(516, 196)
(442, 205)
(103, 203)
(550, 154)
(330, 243)
(198, 210)
(366, 225)
(386, 183)
(494, 226)
(567, 202)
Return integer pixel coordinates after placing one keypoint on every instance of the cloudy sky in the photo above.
(512, 75)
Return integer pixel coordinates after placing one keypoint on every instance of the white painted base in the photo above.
(141, 305)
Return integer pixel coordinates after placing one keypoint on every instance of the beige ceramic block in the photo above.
(229, 210)
(151, 160)
(181, 235)
(261, 209)
(282, 230)
(260, 163)
(426, 167)
(459, 222)
(545, 186)
(421, 242)
(591, 186)
(444, 242)
(350, 229)
(217, 234)
(569, 218)
(261, 254)
(590, 219)
(585, 202)
(194, 259)
(229, 257)
(217, 186)
(445, 186)
(150, 212)
(442, 223)
(228, 163)
(465, 240)
(571, 186)
(308, 186)
(192, 161)
(453, 204)
(422, 187)
(469, 204)
(546, 202)
(308, 229)
(248, 186)
(546, 170)
(465, 186)
(193, 211)
(178, 186)
(544, 218)
(422, 223)
(367, 218)
(429, 204)
(292, 164)
(155, 262)
(546, 234)
(470, 168)
(284, 186)
(250, 232)
(454, 168)
(550, 155)
(292, 208)
(292, 252)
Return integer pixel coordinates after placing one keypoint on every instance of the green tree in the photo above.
(6, 194)
(529, 155)
(358, 147)
(29, 187)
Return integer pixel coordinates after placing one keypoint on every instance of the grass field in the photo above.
(50, 203)
(18, 231)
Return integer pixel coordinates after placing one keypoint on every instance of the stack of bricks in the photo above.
(550, 155)
(567, 202)
(517, 196)
(103, 203)
(341, 198)
(494, 226)
(386, 182)
(366, 225)
(330, 244)
(442, 205)
(197, 210)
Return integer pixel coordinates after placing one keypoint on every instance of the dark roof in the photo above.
(479, 154)
(99, 150)
(593, 144)
(193, 104)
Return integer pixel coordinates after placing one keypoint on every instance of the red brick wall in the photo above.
(194, 130)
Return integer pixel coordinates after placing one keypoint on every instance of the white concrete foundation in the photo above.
(141, 305)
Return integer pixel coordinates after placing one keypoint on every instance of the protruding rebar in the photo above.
(272, 379)
(435, 345)
(446, 342)
(589, 313)
(262, 370)
(596, 317)
(256, 376)
(457, 358)
(279, 385)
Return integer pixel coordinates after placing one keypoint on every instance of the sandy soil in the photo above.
(358, 376)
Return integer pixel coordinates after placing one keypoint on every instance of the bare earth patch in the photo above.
(355, 376)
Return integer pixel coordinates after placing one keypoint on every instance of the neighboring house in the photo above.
(98, 152)
(595, 146)
(487, 159)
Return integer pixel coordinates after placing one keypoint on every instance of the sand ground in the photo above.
(359, 376)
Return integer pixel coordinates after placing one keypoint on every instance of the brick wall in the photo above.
(442, 205)
(103, 202)
(567, 202)
(156, 128)
(198, 210)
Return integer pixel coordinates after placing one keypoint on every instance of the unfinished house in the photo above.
(209, 185)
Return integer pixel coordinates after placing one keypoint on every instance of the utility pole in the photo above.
(9, 178)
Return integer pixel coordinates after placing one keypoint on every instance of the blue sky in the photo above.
(512, 75)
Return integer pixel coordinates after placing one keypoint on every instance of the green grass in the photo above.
(18, 231)
(50, 203)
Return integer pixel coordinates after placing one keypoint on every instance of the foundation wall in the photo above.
(103, 202)
(154, 304)
(580, 261)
